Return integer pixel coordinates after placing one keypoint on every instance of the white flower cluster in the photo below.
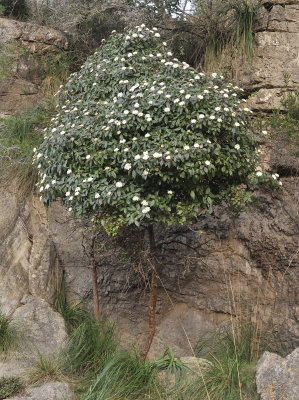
(150, 127)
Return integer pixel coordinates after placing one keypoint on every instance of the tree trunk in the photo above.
(153, 292)
(94, 282)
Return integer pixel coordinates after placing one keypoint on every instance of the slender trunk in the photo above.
(94, 282)
(153, 293)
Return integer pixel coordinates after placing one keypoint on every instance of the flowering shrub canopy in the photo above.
(140, 136)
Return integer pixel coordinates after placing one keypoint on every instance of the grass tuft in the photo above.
(10, 386)
(19, 134)
(8, 333)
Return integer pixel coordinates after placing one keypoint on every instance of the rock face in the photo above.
(43, 329)
(29, 263)
(50, 391)
(277, 377)
(277, 54)
(20, 42)
(35, 38)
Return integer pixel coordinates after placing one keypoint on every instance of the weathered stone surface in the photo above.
(35, 38)
(28, 259)
(43, 328)
(276, 54)
(218, 263)
(20, 89)
(277, 377)
(17, 94)
(49, 391)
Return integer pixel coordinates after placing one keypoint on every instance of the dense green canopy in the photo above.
(140, 136)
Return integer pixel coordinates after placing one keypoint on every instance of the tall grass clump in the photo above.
(125, 376)
(73, 313)
(232, 353)
(216, 32)
(19, 134)
(9, 334)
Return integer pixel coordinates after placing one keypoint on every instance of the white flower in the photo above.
(119, 184)
(122, 141)
(157, 155)
(259, 173)
(97, 195)
(264, 132)
(109, 193)
(116, 150)
(181, 103)
(280, 183)
(200, 97)
(145, 172)
(77, 189)
(88, 157)
(135, 198)
(237, 146)
(144, 203)
(146, 210)
(166, 109)
(62, 132)
(41, 188)
(137, 157)
(157, 34)
(212, 116)
(128, 166)
(207, 162)
(145, 157)
(67, 194)
(90, 179)
(219, 119)
(237, 124)
(39, 155)
(196, 145)
(186, 147)
(193, 121)
(201, 116)
(70, 209)
(147, 135)
(126, 112)
(217, 108)
(53, 182)
(168, 157)
(169, 191)
(274, 176)
(126, 150)
(71, 198)
(187, 96)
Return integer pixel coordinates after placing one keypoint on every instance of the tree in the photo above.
(142, 138)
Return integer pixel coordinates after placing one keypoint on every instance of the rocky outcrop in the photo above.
(277, 377)
(29, 263)
(216, 268)
(34, 38)
(40, 330)
(21, 42)
(49, 391)
(276, 55)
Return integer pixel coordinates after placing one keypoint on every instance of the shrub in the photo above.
(145, 138)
